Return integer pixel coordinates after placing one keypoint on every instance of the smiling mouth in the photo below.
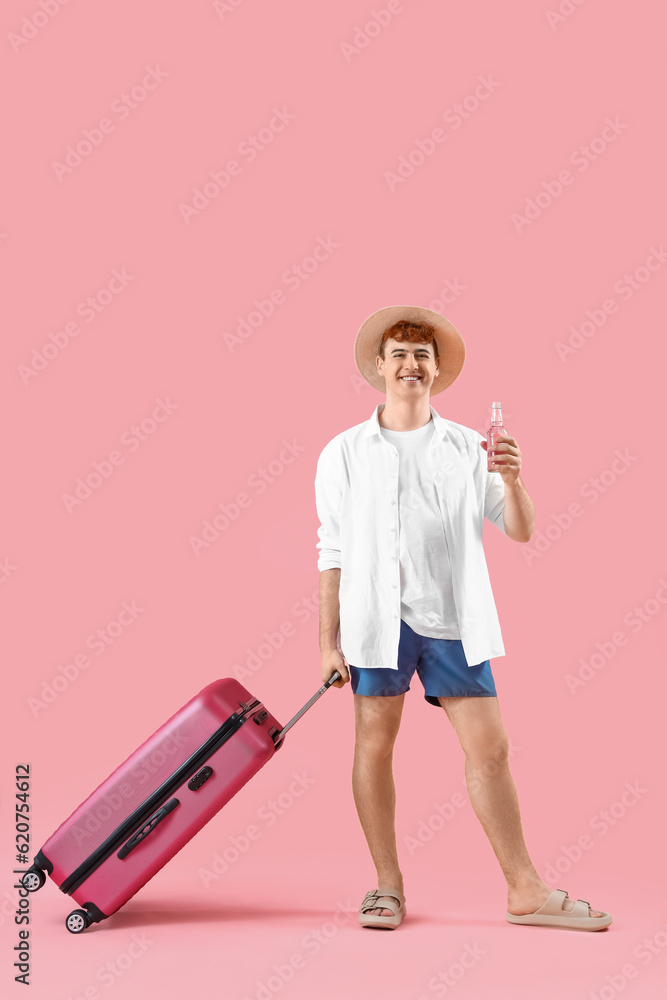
(410, 378)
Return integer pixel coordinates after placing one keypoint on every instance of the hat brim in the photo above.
(451, 346)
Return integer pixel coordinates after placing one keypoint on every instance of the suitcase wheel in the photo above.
(33, 879)
(77, 921)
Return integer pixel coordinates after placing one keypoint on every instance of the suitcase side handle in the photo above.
(147, 828)
(278, 737)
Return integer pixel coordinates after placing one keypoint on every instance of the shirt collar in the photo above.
(373, 424)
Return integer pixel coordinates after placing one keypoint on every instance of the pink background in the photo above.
(520, 289)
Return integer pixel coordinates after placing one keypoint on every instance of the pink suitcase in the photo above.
(156, 801)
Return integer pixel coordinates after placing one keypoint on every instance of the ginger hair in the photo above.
(414, 333)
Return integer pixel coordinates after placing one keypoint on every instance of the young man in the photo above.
(401, 500)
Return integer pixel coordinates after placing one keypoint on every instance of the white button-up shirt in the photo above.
(356, 495)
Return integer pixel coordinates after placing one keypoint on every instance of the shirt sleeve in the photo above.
(494, 499)
(328, 494)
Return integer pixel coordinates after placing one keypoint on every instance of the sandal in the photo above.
(371, 902)
(552, 914)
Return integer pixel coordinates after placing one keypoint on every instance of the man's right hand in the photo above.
(334, 660)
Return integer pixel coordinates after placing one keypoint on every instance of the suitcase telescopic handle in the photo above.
(311, 701)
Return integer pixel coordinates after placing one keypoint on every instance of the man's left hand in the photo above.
(506, 458)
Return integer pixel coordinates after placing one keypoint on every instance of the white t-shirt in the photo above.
(427, 598)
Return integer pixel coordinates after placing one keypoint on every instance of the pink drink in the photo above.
(494, 432)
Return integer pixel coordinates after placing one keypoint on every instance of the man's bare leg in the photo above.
(377, 721)
(493, 796)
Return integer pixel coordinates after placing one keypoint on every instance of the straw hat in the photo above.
(451, 347)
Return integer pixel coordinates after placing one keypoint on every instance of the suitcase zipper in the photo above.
(142, 813)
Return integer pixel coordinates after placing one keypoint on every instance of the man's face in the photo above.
(408, 369)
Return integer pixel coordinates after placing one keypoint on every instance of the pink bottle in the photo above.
(495, 430)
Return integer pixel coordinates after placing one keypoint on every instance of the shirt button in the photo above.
(393, 501)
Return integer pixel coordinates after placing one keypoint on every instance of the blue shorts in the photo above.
(441, 666)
